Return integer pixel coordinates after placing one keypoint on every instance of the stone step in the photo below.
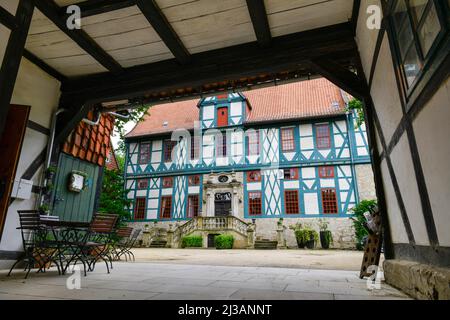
(158, 244)
(266, 245)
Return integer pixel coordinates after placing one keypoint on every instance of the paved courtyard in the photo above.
(181, 280)
(293, 258)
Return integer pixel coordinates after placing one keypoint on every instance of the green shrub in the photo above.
(192, 242)
(224, 241)
(306, 234)
(359, 220)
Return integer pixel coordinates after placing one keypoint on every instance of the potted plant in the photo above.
(44, 209)
(305, 236)
(50, 172)
(326, 238)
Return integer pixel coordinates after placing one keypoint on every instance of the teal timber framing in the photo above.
(309, 186)
(180, 191)
(348, 146)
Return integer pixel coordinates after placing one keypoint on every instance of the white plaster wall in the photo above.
(37, 89)
(432, 131)
(398, 232)
(384, 92)
(366, 38)
(406, 178)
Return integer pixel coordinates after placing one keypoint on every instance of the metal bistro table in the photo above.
(70, 236)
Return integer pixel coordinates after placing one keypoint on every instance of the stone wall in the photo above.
(365, 182)
(341, 229)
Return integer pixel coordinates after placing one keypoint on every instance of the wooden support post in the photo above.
(13, 56)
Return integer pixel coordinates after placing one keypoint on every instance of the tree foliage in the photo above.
(359, 220)
(136, 115)
(357, 106)
(113, 196)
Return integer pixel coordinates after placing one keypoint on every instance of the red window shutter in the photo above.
(329, 201)
(139, 208)
(254, 203)
(222, 117)
(291, 202)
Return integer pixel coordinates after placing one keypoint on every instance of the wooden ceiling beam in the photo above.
(258, 14)
(341, 77)
(286, 53)
(163, 28)
(51, 11)
(7, 19)
(93, 7)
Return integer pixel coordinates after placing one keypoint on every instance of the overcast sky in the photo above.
(128, 127)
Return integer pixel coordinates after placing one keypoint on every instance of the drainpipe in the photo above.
(50, 142)
(93, 123)
(118, 115)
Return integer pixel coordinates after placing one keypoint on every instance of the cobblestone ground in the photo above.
(155, 276)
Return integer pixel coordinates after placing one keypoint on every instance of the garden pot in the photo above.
(325, 239)
(310, 244)
(300, 244)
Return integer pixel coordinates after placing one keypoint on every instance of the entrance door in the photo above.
(222, 204)
(69, 205)
(10, 145)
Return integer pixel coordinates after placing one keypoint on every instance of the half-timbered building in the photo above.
(291, 151)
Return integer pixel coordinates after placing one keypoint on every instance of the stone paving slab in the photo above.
(147, 280)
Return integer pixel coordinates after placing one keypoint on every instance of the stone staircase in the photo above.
(213, 225)
(266, 244)
(158, 244)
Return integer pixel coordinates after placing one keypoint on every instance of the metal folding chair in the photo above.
(38, 244)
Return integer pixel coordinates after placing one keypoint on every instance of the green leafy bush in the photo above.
(192, 242)
(359, 220)
(306, 234)
(224, 241)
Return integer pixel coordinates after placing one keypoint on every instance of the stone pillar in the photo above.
(210, 204)
(235, 202)
(146, 239)
(280, 236)
(170, 237)
(251, 236)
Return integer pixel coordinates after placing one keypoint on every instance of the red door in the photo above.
(222, 117)
(10, 145)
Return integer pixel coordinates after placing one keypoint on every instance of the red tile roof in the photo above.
(91, 143)
(302, 99)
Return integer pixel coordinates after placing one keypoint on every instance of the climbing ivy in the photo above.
(357, 106)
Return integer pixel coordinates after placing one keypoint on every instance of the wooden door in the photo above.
(222, 116)
(70, 205)
(10, 145)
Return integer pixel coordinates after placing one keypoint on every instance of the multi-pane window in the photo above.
(167, 182)
(287, 139)
(139, 208)
(194, 180)
(323, 140)
(221, 145)
(418, 30)
(326, 172)
(166, 206)
(195, 147)
(144, 153)
(291, 201)
(254, 203)
(168, 148)
(142, 184)
(329, 201)
(252, 138)
(192, 206)
(254, 176)
(290, 173)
